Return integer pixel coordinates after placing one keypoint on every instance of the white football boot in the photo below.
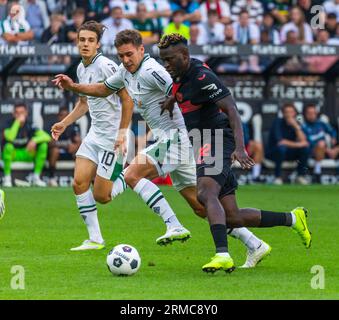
(89, 245)
(255, 256)
(174, 234)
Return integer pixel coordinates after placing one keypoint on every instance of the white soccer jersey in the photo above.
(105, 112)
(148, 87)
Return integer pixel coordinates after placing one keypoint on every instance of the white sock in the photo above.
(119, 186)
(256, 170)
(294, 219)
(317, 168)
(88, 210)
(223, 254)
(246, 237)
(153, 197)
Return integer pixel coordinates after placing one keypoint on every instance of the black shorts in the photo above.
(214, 161)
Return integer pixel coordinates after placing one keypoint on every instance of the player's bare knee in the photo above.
(101, 198)
(80, 187)
(132, 178)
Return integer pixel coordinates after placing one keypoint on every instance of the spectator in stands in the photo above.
(15, 28)
(332, 6)
(221, 7)
(114, 24)
(291, 37)
(322, 36)
(23, 142)
(253, 7)
(4, 8)
(78, 18)
(160, 11)
(95, 9)
(279, 9)
(177, 25)
(229, 63)
(190, 7)
(64, 148)
(145, 25)
(335, 40)
(255, 149)
(37, 16)
(316, 132)
(246, 32)
(229, 37)
(214, 28)
(129, 7)
(55, 33)
(287, 141)
(271, 33)
(64, 7)
(331, 24)
(297, 23)
(198, 34)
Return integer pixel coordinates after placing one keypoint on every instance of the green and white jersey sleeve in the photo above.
(115, 82)
(105, 112)
(147, 87)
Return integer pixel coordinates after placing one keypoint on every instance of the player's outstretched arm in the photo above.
(94, 90)
(228, 105)
(79, 110)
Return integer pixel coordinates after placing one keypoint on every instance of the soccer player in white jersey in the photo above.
(2, 204)
(148, 83)
(97, 158)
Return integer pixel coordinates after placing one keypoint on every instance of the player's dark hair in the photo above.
(172, 39)
(93, 26)
(128, 36)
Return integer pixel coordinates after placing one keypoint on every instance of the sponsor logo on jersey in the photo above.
(215, 94)
(210, 87)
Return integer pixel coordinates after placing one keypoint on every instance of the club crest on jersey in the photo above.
(138, 86)
(179, 96)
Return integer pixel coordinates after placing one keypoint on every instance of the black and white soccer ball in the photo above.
(123, 260)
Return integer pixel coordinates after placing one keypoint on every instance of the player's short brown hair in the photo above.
(93, 26)
(128, 36)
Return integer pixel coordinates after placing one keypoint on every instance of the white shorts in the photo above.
(110, 164)
(174, 155)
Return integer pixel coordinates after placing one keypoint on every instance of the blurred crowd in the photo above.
(200, 21)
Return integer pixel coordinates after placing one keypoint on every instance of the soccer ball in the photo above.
(123, 259)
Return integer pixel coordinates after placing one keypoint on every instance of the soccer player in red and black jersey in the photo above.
(210, 111)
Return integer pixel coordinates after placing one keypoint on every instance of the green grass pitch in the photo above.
(41, 225)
